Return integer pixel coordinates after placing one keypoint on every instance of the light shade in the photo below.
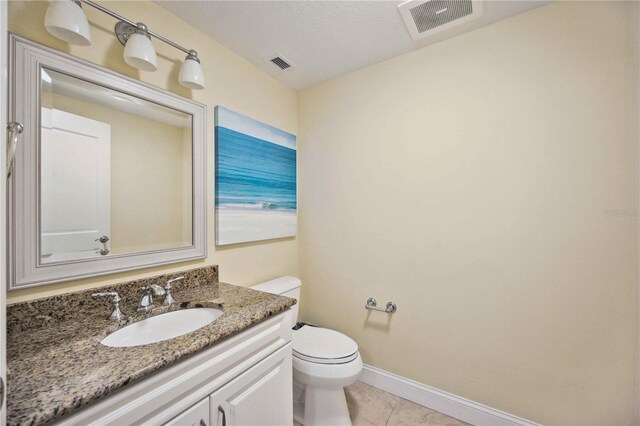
(191, 74)
(66, 21)
(140, 54)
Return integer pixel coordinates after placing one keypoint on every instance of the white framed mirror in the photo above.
(109, 173)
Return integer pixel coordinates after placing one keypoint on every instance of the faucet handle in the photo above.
(117, 314)
(168, 299)
(169, 282)
(114, 295)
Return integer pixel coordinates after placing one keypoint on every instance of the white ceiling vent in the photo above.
(281, 62)
(426, 17)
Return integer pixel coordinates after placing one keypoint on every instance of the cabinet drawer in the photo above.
(198, 415)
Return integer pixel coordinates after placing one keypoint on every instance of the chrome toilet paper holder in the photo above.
(372, 305)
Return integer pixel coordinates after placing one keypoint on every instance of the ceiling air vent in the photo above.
(424, 18)
(282, 62)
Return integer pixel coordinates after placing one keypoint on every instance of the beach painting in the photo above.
(255, 180)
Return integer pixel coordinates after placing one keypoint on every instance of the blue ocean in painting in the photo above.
(252, 173)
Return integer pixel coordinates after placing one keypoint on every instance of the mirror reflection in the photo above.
(115, 172)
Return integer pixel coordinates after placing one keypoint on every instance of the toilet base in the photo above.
(318, 391)
(322, 407)
(326, 407)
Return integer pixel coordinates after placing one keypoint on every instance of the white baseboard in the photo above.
(444, 402)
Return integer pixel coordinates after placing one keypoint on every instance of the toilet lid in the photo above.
(318, 344)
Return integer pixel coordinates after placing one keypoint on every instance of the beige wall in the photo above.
(469, 182)
(487, 184)
(231, 81)
(149, 214)
(155, 212)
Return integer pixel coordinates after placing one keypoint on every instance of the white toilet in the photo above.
(324, 362)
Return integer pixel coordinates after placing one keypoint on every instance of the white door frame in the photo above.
(3, 201)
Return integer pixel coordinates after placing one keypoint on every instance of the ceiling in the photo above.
(324, 39)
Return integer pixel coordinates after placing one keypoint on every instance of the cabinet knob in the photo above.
(104, 250)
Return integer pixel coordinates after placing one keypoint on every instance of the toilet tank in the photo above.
(284, 286)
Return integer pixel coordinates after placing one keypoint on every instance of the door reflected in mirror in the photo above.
(115, 172)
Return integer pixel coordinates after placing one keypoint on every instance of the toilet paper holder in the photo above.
(372, 304)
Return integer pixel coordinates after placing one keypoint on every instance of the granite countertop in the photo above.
(56, 362)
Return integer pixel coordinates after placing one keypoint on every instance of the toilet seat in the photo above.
(323, 346)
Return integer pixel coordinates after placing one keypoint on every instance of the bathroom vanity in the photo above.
(245, 380)
(88, 133)
(236, 370)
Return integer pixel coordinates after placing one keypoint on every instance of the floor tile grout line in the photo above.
(389, 418)
(393, 409)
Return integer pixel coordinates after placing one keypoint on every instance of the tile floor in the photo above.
(371, 406)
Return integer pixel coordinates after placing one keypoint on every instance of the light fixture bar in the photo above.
(66, 20)
(134, 24)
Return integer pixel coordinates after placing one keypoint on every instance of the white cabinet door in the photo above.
(260, 396)
(198, 415)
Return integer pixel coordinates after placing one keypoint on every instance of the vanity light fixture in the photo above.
(191, 72)
(138, 49)
(66, 20)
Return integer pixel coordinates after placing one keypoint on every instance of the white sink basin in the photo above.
(162, 327)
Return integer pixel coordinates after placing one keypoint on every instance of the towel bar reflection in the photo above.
(14, 129)
(372, 304)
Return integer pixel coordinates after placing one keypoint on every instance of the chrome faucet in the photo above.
(146, 298)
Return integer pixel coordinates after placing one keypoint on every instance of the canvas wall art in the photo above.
(255, 180)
